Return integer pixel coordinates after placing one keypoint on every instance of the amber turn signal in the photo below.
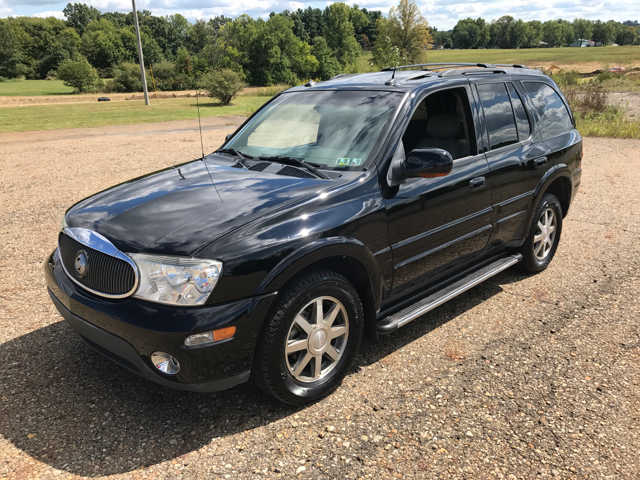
(223, 333)
(209, 338)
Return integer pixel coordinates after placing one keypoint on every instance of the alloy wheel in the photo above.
(317, 339)
(545, 234)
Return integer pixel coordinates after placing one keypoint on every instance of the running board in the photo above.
(393, 322)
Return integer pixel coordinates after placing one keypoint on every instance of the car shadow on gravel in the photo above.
(67, 406)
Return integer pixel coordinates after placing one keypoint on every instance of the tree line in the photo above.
(507, 32)
(287, 48)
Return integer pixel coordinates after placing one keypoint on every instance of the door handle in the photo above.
(539, 162)
(476, 183)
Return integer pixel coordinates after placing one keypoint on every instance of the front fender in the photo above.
(315, 253)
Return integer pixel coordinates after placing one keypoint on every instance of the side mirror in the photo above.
(427, 163)
(228, 137)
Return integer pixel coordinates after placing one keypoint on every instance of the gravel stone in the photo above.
(543, 370)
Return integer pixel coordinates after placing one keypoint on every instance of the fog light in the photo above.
(207, 338)
(165, 363)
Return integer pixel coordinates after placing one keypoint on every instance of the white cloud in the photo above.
(442, 14)
(53, 13)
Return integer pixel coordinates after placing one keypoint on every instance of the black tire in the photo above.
(271, 370)
(531, 262)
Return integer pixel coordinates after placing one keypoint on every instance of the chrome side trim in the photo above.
(97, 242)
(440, 247)
(516, 198)
(442, 227)
(384, 250)
(509, 217)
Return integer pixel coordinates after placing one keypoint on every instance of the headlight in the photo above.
(63, 221)
(175, 280)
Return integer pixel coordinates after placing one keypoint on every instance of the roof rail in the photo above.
(441, 66)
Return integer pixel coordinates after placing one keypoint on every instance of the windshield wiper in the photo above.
(295, 162)
(240, 157)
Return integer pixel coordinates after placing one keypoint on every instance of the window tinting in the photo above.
(522, 121)
(498, 114)
(554, 116)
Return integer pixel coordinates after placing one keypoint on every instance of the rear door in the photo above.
(516, 154)
(556, 123)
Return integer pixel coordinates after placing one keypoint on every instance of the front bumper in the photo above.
(128, 331)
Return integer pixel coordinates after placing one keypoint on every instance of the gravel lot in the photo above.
(521, 377)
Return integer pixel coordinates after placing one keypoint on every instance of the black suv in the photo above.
(340, 208)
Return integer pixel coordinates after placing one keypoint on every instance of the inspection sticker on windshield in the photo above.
(349, 161)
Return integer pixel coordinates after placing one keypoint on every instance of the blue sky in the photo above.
(443, 14)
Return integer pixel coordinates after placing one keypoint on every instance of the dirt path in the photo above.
(24, 101)
(521, 377)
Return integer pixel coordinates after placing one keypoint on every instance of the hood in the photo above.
(178, 210)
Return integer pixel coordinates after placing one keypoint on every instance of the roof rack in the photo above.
(441, 66)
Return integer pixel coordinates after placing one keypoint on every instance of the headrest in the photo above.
(444, 126)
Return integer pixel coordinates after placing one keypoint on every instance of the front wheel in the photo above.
(544, 235)
(311, 340)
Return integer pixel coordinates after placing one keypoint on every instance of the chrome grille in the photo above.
(104, 274)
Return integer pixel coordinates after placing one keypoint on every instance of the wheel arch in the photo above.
(346, 256)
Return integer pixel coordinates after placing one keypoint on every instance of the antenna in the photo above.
(392, 81)
(195, 79)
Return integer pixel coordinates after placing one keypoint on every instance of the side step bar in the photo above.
(397, 320)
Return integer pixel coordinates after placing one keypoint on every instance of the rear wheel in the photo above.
(544, 235)
(311, 340)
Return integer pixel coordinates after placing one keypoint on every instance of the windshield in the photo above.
(331, 129)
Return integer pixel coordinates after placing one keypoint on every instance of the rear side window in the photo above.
(498, 114)
(522, 121)
(554, 116)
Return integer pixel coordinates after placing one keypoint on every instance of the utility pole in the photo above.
(142, 73)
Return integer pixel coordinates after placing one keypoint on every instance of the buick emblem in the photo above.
(81, 263)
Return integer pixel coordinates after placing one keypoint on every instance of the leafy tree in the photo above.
(501, 31)
(223, 84)
(519, 35)
(312, 21)
(78, 73)
(535, 33)
(370, 30)
(626, 36)
(102, 44)
(80, 15)
(126, 78)
(470, 33)
(339, 33)
(328, 66)
(13, 62)
(557, 33)
(359, 19)
(583, 28)
(568, 34)
(151, 52)
(385, 53)
(440, 37)
(602, 32)
(65, 45)
(409, 31)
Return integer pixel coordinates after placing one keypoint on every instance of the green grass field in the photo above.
(33, 88)
(529, 56)
(97, 114)
(533, 56)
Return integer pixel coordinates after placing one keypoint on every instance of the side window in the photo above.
(554, 116)
(522, 121)
(498, 114)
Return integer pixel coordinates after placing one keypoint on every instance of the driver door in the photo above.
(433, 221)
